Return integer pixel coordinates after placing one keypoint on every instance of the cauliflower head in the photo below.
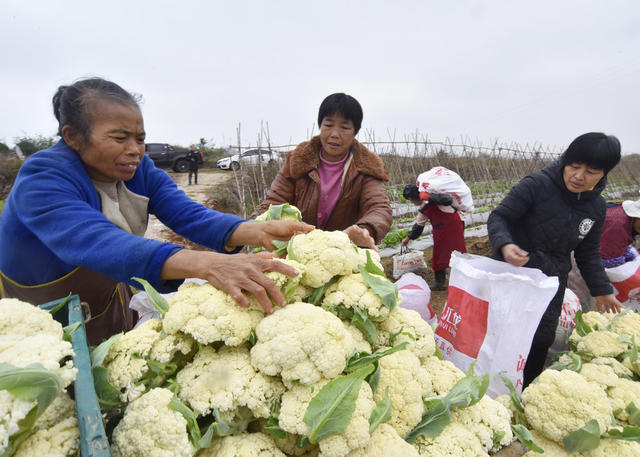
(611, 447)
(385, 442)
(408, 383)
(444, 374)
(210, 315)
(243, 445)
(24, 319)
(60, 440)
(489, 420)
(597, 320)
(226, 380)
(627, 324)
(551, 448)
(621, 394)
(301, 342)
(560, 402)
(455, 440)
(407, 326)
(150, 428)
(375, 258)
(324, 254)
(618, 367)
(350, 291)
(12, 411)
(601, 343)
(126, 360)
(603, 375)
(356, 435)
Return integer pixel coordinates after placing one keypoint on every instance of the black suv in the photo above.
(165, 155)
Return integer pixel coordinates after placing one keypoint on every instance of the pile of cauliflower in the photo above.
(587, 404)
(340, 371)
(37, 415)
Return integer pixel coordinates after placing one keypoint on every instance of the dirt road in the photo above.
(207, 180)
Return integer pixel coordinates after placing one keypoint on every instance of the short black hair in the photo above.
(72, 104)
(594, 149)
(410, 192)
(343, 104)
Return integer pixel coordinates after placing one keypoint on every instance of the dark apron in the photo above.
(108, 299)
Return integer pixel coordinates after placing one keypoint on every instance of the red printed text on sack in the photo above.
(463, 321)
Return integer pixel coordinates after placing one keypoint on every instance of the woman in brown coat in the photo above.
(336, 182)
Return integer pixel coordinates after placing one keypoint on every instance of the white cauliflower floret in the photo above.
(61, 407)
(46, 349)
(612, 448)
(301, 342)
(489, 420)
(621, 394)
(444, 374)
(601, 343)
(126, 363)
(408, 383)
(356, 435)
(24, 319)
(324, 254)
(413, 329)
(226, 380)
(618, 367)
(12, 411)
(210, 315)
(150, 428)
(385, 442)
(455, 440)
(603, 375)
(60, 440)
(243, 445)
(597, 320)
(351, 291)
(289, 285)
(560, 402)
(627, 324)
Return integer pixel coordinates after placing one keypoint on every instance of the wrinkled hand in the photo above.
(234, 274)
(608, 303)
(514, 255)
(405, 241)
(361, 237)
(264, 233)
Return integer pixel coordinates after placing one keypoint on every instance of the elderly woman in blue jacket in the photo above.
(76, 215)
(551, 213)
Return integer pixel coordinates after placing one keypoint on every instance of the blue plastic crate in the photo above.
(93, 439)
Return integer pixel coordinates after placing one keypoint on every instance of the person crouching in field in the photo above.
(448, 230)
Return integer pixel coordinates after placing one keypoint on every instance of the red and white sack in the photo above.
(491, 314)
(567, 321)
(625, 280)
(443, 180)
(416, 295)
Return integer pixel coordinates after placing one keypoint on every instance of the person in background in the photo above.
(447, 226)
(75, 219)
(621, 226)
(551, 213)
(193, 157)
(335, 181)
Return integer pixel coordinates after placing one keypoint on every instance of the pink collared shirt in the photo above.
(330, 183)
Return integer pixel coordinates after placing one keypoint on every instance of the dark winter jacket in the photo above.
(544, 218)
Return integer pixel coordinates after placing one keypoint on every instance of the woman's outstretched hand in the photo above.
(264, 233)
(514, 255)
(235, 274)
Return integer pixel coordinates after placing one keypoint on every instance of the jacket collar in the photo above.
(305, 157)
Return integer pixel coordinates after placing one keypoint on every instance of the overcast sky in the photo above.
(521, 72)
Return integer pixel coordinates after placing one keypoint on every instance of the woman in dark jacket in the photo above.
(551, 213)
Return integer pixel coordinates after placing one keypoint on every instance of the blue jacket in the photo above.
(52, 223)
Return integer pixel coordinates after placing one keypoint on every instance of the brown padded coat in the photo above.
(363, 199)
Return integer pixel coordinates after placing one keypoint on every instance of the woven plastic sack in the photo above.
(491, 314)
(567, 321)
(416, 295)
(443, 180)
(625, 280)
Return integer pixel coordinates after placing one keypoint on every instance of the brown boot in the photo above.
(440, 279)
